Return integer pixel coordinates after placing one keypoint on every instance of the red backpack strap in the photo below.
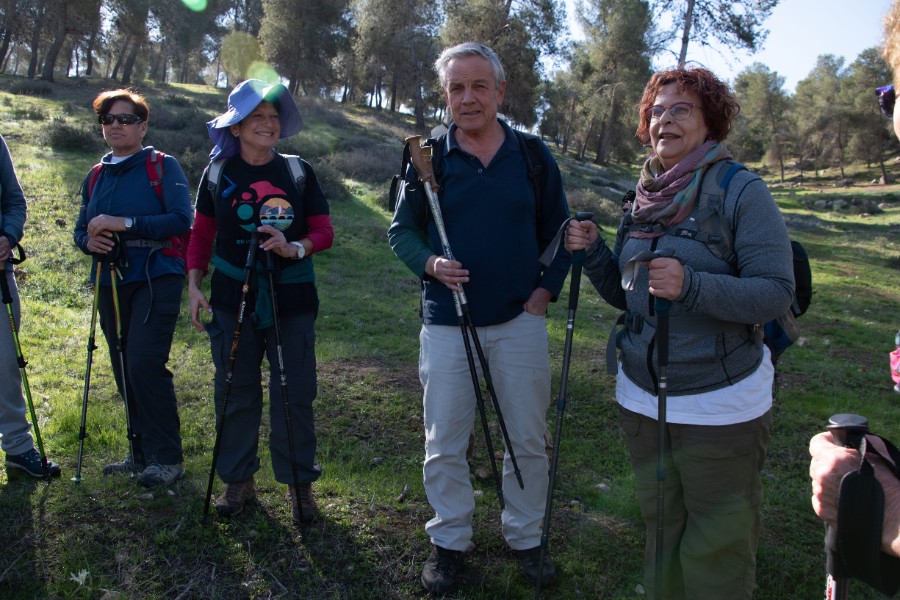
(155, 172)
(93, 176)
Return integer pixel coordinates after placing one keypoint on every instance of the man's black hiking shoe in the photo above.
(531, 559)
(439, 573)
(30, 463)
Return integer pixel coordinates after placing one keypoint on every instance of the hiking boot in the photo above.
(306, 510)
(531, 565)
(157, 474)
(126, 465)
(440, 570)
(236, 495)
(30, 463)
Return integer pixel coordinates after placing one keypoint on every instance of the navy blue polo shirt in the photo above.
(491, 217)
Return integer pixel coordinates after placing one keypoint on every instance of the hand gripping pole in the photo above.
(574, 290)
(249, 267)
(91, 346)
(20, 359)
(422, 163)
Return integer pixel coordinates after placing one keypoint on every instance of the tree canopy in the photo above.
(380, 53)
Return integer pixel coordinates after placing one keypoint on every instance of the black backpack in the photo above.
(528, 143)
(215, 169)
(713, 230)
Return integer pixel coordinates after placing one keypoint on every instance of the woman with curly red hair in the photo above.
(719, 376)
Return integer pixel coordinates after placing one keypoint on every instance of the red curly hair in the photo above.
(717, 101)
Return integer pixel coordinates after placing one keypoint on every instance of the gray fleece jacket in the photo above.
(714, 341)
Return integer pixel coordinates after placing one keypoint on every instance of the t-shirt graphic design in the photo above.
(263, 204)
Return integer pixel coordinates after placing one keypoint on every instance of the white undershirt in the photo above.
(743, 401)
(117, 159)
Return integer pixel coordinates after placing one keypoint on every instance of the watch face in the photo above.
(129, 222)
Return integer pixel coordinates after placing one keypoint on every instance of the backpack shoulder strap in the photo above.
(534, 159)
(713, 228)
(298, 173)
(93, 176)
(214, 176)
(437, 158)
(155, 172)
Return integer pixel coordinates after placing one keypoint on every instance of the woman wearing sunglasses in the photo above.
(131, 229)
(719, 373)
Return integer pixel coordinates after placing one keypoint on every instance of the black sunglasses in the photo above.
(123, 119)
(886, 98)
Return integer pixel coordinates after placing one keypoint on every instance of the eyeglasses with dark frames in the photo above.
(123, 119)
(679, 111)
(886, 98)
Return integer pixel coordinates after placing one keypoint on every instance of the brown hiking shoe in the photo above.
(236, 495)
(306, 510)
(440, 571)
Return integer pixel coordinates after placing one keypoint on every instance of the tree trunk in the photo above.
(128, 68)
(568, 128)
(600, 151)
(686, 36)
(59, 39)
(118, 65)
(36, 40)
(89, 54)
(4, 46)
(586, 140)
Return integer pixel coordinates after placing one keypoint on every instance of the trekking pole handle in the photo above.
(578, 255)
(13, 259)
(848, 429)
(251, 251)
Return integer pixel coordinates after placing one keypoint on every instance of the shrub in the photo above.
(31, 87)
(31, 113)
(176, 142)
(376, 163)
(356, 142)
(177, 100)
(606, 211)
(192, 163)
(305, 144)
(62, 136)
(332, 182)
(163, 117)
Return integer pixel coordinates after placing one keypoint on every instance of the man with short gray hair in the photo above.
(497, 226)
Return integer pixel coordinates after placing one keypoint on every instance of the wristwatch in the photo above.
(301, 250)
(129, 223)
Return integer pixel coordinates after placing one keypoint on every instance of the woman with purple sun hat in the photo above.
(251, 196)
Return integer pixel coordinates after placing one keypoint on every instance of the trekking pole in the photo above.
(20, 359)
(270, 267)
(232, 356)
(120, 350)
(574, 289)
(661, 308)
(91, 346)
(422, 165)
(847, 430)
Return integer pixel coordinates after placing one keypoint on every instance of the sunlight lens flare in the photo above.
(195, 5)
(263, 71)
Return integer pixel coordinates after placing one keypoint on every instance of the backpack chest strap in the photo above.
(644, 326)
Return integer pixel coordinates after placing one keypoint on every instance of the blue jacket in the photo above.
(124, 190)
(495, 229)
(12, 200)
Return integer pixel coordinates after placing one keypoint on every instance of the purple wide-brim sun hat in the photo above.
(242, 100)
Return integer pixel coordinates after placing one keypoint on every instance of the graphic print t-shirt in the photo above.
(250, 196)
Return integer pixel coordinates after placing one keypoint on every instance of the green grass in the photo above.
(108, 535)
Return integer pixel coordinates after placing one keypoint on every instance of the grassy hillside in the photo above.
(108, 537)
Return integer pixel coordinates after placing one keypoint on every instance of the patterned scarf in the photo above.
(669, 198)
